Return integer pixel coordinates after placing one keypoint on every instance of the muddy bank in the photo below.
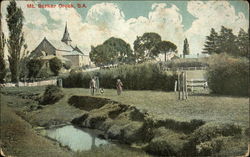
(133, 126)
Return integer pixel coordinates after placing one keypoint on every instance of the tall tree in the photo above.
(227, 41)
(166, 47)
(120, 48)
(113, 50)
(16, 38)
(144, 46)
(185, 48)
(2, 61)
(243, 43)
(211, 44)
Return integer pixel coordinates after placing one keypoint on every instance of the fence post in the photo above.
(186, 85)
(179, 87)
(183, 85)
(175, 86)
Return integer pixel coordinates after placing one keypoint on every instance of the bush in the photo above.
(134, 77)
(208, 138)
(185, 63)
(3, 71)
(55, 65)
(34, 66)
(67, 65)
(229, 76)
(52, 95)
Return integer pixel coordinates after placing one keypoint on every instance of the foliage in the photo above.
(229, 75)
(208, 139)
(34, 66)
(2, 61)
(186, 48)
(139, 77)
(51, 95)
(211, 43)
(165, 47)
(112, 51)
(16, 38)
(145, 46)
(227, 42)
(67, 65)
(185, 63)
(55, 65)
(243, 43)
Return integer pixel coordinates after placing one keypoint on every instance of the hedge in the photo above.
(229, 76)
(147, 76)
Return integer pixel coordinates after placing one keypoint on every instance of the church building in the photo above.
(63, 49)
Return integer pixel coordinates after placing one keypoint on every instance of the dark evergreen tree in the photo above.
(227, 42)
(16, 38)
(2, 61)
(185, 48)
(243, 43)
(211, 44)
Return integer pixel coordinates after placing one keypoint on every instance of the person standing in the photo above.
(92, 86)
(119, 86)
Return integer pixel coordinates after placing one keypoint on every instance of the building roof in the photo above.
(61, 46)
(66, 36)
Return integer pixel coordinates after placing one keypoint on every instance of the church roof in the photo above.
(61, 45)
(66, 36)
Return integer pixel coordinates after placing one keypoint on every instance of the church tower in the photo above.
(66, 38)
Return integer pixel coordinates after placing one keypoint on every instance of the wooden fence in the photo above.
(186, 68)
(194, 83)
(31, 84)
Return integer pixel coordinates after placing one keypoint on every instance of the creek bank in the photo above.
(132, 126)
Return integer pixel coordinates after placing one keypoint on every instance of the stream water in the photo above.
(75, 138)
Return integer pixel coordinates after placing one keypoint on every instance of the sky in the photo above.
(172, 20)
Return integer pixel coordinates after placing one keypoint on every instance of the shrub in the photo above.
(67, 65)
(52, 95)
(55, 65)
(34, 66)
(229, 76)
(208, 138)
(134, 77)
(3, 71)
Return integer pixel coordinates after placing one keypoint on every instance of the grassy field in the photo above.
(19, 137)
(212, 108)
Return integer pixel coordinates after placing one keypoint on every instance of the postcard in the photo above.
(122, 78)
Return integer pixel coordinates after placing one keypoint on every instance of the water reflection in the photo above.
(76, 139)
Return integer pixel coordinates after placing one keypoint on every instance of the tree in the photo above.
(145, 46)
(34, 66)
(227, 41)
(2, 61)
(243, 43)
(166, 47)
(211, 44)
(113, 50)
(185, 48)
(55, 65)
(16, 38)
(120, 48)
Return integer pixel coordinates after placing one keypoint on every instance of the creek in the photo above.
(77, 139)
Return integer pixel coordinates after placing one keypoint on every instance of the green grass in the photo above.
(222, 109)
(211, 108)
(161, 105)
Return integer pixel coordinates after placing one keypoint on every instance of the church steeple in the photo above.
(66, 38)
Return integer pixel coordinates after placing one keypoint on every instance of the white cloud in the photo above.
(104, 20)
(212, 14)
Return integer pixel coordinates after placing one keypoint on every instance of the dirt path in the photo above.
(19, 139)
